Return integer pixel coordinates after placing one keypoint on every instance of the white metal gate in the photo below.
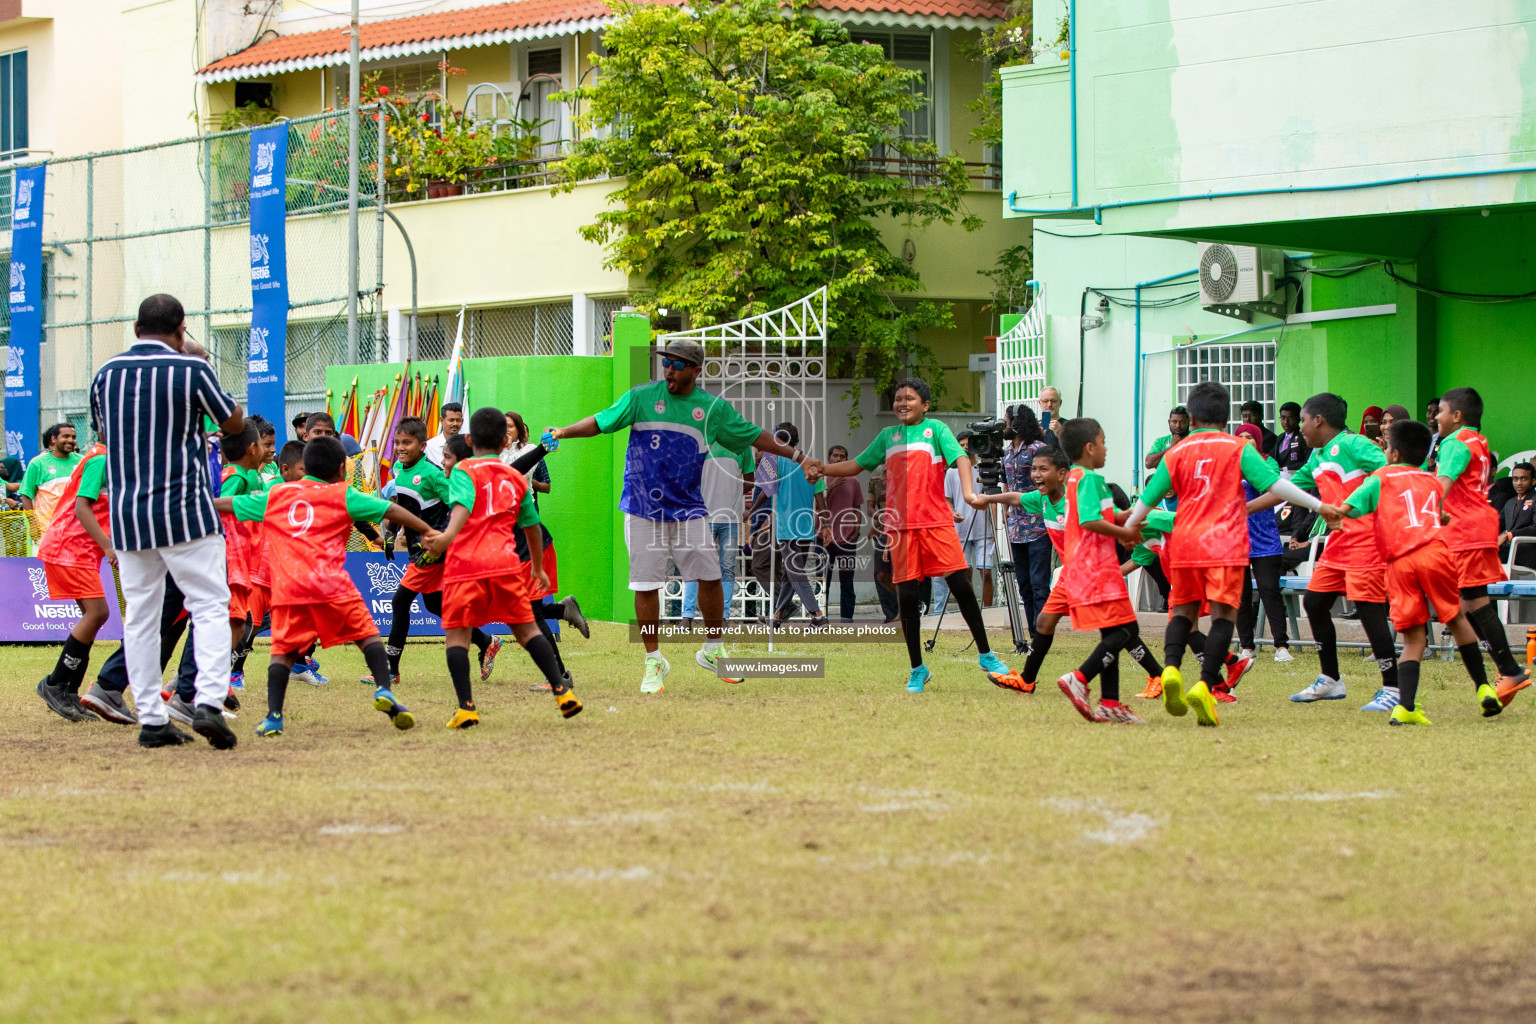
(1021, 359)
(772, 368)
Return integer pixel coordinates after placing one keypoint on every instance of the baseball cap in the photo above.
(681, 348)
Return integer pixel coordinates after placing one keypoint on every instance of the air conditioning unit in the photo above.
(1236, 280)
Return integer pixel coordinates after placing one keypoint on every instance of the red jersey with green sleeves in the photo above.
(65, 542)
(915, 459)
(1054, 515)
(495, 495)
(252, 539)
(1334, 471)
(1092, 569)
(1406, 503)
(1464, 458)
(307, 524)
(1206, 470)
(1154, 544)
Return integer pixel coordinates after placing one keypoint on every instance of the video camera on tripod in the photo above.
(986, 451)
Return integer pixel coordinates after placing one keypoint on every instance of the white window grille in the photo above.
(1021, 359)
(1248, 371)
(602, 323)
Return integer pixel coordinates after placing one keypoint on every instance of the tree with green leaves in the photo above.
(740, 130)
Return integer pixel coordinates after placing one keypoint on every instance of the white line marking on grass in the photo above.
(1325, 798)
(616, 818)
(228, 877)
(360, 830)
(935, 806)
(734, 787)
(51, 789)
(638, 873)
(883, 863)
(1119, 827)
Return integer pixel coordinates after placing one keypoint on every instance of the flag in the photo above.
(455, 390)
(396, 413)
(349, 422)
(429, 408)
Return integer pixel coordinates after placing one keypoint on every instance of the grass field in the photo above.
(831, 850)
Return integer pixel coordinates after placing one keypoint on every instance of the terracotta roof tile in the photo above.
(523, 16)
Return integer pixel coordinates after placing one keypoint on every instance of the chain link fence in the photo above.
(174, 217)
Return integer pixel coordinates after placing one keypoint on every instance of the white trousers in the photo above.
(199, 570)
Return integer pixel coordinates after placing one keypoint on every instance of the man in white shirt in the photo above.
(453, 423)
(974, 528)
(723, 484)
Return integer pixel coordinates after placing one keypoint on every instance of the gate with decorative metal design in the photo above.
(772, 368)
(1021, 358)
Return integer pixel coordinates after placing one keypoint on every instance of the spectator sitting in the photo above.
(1291, 451)
(1178, 430)
(1253, 412)
(1518, 517)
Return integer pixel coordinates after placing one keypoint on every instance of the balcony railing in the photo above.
(540, 172)
(984, 176)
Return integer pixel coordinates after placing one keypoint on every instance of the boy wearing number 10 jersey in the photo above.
(1420, 569)
(307, 523)
(483, 578)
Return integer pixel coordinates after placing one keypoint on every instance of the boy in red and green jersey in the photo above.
(1091, 574)
(484, 580)
(1350, 565)
(1404, 506)
(921, 523)
(242, 475)
(307, 524)
(1208, 548)
(71, 552)
(1464, 466)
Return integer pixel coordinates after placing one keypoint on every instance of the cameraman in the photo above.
(1026, 533)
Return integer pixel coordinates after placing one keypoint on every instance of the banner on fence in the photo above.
(267, 352)
(28, 616)
(23, 388)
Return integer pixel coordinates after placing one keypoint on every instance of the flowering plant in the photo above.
(444, 148)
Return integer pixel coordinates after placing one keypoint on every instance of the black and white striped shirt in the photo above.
(147, 406)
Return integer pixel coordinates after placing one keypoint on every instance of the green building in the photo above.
(1380, 161)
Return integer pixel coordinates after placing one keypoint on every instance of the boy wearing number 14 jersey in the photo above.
(1421, 570)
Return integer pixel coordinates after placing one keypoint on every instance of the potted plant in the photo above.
(436, 146)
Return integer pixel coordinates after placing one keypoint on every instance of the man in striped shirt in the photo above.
(147, 406)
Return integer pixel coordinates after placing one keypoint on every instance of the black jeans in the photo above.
(1032, 573)
(113, 674)
(1267, 570)
(844, 557)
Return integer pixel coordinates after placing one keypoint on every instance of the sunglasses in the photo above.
(669, 363)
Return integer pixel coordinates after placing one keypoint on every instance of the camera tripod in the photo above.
(1006, 573)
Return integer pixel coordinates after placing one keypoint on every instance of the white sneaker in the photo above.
(1283, 654)
(656, 669)
(1323, 689)
(1246, 652)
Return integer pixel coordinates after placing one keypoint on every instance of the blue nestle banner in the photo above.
(378, 578)
(28, 615)
(22, 387)
(269, 273)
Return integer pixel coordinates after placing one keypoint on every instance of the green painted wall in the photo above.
(581, 507)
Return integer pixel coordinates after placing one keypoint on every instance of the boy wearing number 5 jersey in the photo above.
(1421, 570)
(483, 578)
(306, 527)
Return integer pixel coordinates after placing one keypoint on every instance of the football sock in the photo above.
(555, 610)
(1137, 649)
(965, 595)
(70, 668)
(399, 629)
(1488, 626)
(458, 671)
(1197, 643)
(1111, 642)
(1217, 643)
(480, 638)
(1175, 639)
(1373, 619)
(909, 596)
(1038, 649)
(1408, 683)
(1109, 682)
(549, 636)
(277, 686)
(379, 665)
(243, 648)
(543, 654)
(1319, 609)
(1472, 657)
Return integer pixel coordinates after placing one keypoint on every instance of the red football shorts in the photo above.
(1104, 614)
(424, 579)
(1218, 584)
(1423, 579)
(73, 582)
(239, 601)
(1356, 584)
(925, 551)
(471, 603)
(344, 621)
(1478, 568)
(258, 602)
(1057, 603)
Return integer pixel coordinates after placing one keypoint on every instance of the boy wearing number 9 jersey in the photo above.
(1421, 570)
(483, 578)
(307, 523)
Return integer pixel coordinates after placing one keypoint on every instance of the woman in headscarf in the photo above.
(1370, 425)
